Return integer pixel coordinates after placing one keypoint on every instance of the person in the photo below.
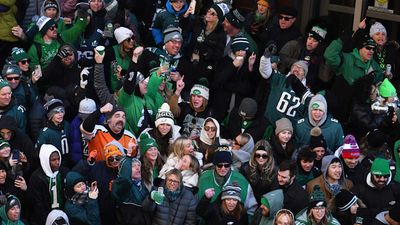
(282, 142)
(99, 136)
(57, 217)
(209, 140)
(129, 192)
(306, 169)
(46, 184)
(258, 20)
(165, 130)
(271, 203)
(294, 196)
(81, 205)
(57, 130)
(15, 161)
(284, 217)
(346, 207)
(228, 210)
(221, 175)
(22, 60)
(317, 211)
(260, 170)
(243, 146)
(377, 191)
(388, 217)
(332, 179)
(11, 211)
(150, 159)
(396, 159)
(176, 205)
(349, 153)
(319, 146)
(8, 106)
(318, 116)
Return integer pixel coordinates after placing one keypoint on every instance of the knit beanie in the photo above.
(221, 9)
(172, 33)
(71, 180)
(350, 148)
(317, 198)
(50, 4)
(248, 108)
(283, 124)
(3, 83)
(146, 142)
(376, 138)
(11, 69)
(86, 107)
(288, 10)
(53, 106)
(319, 105)
(11, 202)
(231, 191)
(201, 88)
(375, 28)
(122, 33)
(364, 41)
(235, 19)
(240, 43)
(316, 138)
(318, 33)
(265, 202)
(263, 3)
(44, 23)
(303, 64)
(164, 115)
(344, 200)
(3, 144)
(115, 109)
(19, 54)
(222, 155)
(380, 167)
(386, 89)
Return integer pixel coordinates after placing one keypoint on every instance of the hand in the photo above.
(238, 61)
(132, 145)
(18, 32)
(94, 193)
(157, 197)
(180, 84)
(98, 57)
(62, 53)
(12, 161)
(175, 76)
(84, 77)
(209, 193)
(35, 76)
(362, 24)
(67, 20)
(22, 157)
(136, 53)
(162, 70)
(179, 164)
(92, 156)
(20, 183)
(270, 50)
(110, 184)
(106, 108)
(252, 60)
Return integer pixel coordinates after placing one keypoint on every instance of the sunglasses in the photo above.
(207, 128)
(12, 78)
(114, 158)
(226, 165)
(129, 39)
(53, 27)
(25, 61)
(384, 176)
(173, 181)
(264, 156)
(370, 48)
(286, 18)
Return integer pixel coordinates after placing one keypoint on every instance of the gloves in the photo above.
(297, 86)
(92, 157)
(157, 197)
(62, 53)
(270, 50)
(82, 13)
(84, 77)
(94, 194)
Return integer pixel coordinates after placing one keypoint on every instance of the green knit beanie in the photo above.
(146, 142)
(380, 167)
(386, 89)
(317, 198)
(19, 54)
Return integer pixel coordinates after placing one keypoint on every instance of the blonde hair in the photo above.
(178, 146)
(265, 172)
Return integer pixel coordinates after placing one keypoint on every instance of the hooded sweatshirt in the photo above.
(275, 200)
(239, 157)
(4, 217)
(54, 215)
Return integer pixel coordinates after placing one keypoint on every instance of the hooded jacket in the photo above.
(331, 128)
(242, 155)
(323, 183)
(275, 200)
(54, 215)
(4, 218)
(45, 186)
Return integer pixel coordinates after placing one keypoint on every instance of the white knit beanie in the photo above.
(122, 33)
(376, 27)
(164, 115)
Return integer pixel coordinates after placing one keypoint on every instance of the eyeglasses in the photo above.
(207, 128)
(370, 48)
(12, 78)
(319, 208)
(114, 158)
(286, 18)
(53, 27)
(226, 165)
(264, 156)
(25, 61)
(173, 181)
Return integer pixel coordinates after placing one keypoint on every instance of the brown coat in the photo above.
(347, 184)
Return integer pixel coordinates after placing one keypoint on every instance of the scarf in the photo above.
(221, 180)
(80, 198)
(56, 192)
(173, 195)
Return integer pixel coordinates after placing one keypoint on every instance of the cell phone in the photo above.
(38, 70)
(16, 154)
(94, 185)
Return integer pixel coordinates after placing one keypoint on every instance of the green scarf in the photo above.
(56, 191)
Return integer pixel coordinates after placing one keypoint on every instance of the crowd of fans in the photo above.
(193, 112)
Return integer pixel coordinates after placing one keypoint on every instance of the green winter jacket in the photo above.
(350, 65)
(49, 50)
(58, 138)
(152, 89)
(123, 63)
(396, 154)
(5, 220)
(302, 219)
(7, 21)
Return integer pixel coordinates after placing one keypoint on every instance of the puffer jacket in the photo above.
(8, 20)
(178, 212)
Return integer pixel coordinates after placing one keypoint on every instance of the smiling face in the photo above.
(24, 65)
(5, 152)
(52, 32)
(306, 165)
(188, 148)
(172, 182)
(80, 187)
(284, 136)
(173, 46)
(152, 154)
(261, 157)
(317, 115)
(318, 213)
(5, 96)
(177, 5)
(351, 162)
(230, 204)
(334, 172)
(117, 122)
(366, 53)
(211, 15)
